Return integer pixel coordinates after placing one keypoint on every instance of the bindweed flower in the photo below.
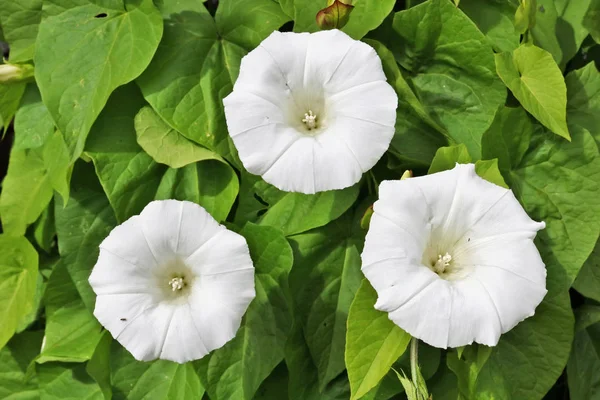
(452, 258)
(311, 112)
(172, 283)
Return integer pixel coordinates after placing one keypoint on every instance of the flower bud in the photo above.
(407, 174)
(366, 218)
(336, 15)
(14, 73)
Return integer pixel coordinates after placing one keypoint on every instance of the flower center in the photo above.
(177, 283)
(310, 120)
(443, 262)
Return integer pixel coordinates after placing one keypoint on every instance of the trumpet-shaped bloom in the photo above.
(452, 258)
(172, 283)
(311, 112)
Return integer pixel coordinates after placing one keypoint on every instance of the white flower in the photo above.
(172, 283)
(452, 258)
(311, 112)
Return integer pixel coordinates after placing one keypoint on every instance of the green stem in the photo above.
(414, 360)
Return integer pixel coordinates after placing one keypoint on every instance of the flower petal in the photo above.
(116, 311)
(473, 316)
(261, 147)
(397, 229)
(294, 170)
(514, 297)
(367, 141)
(129, 243)
(523, 259)
(339, 62)
(427, 315)
(288, 50)
(261, 75)
(212, 301)
(144, 335)
(115, 275)
(223, 253)
(183, 341)
(247, 111)
(335, 164)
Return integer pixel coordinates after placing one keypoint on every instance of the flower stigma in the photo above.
(177, 283)
(310, 120)
(442, 263)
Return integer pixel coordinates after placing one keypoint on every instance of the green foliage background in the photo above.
(126, 107)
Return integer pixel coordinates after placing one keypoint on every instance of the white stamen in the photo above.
(310, 120)
(176, 284)
(442, 262)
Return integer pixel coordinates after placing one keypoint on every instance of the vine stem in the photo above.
(414, 360)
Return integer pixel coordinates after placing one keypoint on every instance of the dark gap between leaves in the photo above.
(101, 15)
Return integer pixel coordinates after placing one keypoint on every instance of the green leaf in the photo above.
(467, 366)
(99, 365)
(18, 277)
(583, 103)
(248, 22)
(588, 280)
(212, 184)
(20, 21)
(198, 60)
(389, 386)
(275, 386)
(559, 28)
(295, 213)
(303, 375)
(237, 370)
(164, 144)
(131, 178)
(373, 342)
(451, 68)
(33, 123)
(14, 361)
(72, 332)
(447, 157)
(325, 277)
(57, 164)
(591, 20)
(40, 289)
(10, 97)
(489, 170)
(61, 381)
(444, 385)
(134, 380)
(525, 16)
(583, 369)
(366, 16)
(556, 181)
(536, 81)
(288, 7)
(26, 191)
(417, 135)
(81, 225)
(495, 20)
(586, 316)
(86, 50)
